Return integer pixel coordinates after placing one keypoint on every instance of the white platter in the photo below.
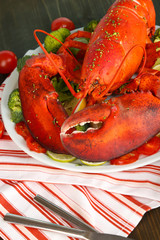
(11, 84)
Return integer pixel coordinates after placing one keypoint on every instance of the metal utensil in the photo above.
(64, 214)
(82, 234)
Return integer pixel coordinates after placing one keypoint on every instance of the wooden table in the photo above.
(18, 19)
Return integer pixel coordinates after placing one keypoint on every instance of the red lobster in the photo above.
(113, 55)
(43, 113)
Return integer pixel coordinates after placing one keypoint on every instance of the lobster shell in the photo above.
(117, 45)
(43, 113)
(124, 123)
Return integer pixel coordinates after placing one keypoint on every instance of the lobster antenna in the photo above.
(118, 71)
(52, 61)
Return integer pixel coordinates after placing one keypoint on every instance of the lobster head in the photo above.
(117, 45)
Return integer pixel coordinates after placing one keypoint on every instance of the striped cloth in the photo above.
(111, 203)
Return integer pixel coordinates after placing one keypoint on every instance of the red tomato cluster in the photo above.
(1, 128)
(8, 62)
(126, 159)
(62, 22)
(149, 148)
(22, 130)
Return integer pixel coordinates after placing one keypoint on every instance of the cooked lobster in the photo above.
(115, 52)
(115, 127)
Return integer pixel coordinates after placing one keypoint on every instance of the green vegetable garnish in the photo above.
(51, 44)
(90, 27)
(64, 32)
(14, 105)
(82, 128)
(156, 36)
(62, 89)
(21, 62)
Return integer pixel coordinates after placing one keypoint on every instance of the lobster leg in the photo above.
(124, 123)
(153, 52)
(79, 34)
(70, 42)
(147, 81)
(75, 44)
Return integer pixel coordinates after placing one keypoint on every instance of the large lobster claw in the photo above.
(122, 124)
(43, 113)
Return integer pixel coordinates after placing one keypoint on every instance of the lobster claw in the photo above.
(122, 124)
(43, 113)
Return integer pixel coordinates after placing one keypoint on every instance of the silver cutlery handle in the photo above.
(30, 222)
(66, 215)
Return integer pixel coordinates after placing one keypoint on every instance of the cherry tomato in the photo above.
(22, 130)
(151, 147)
(1, 129)
(126, 159)
(34, 146)
(8, 61)
(62, 22)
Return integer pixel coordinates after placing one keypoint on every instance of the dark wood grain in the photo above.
(18, 19)
(149, 226)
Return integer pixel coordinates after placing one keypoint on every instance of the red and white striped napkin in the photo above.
(111, 203)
